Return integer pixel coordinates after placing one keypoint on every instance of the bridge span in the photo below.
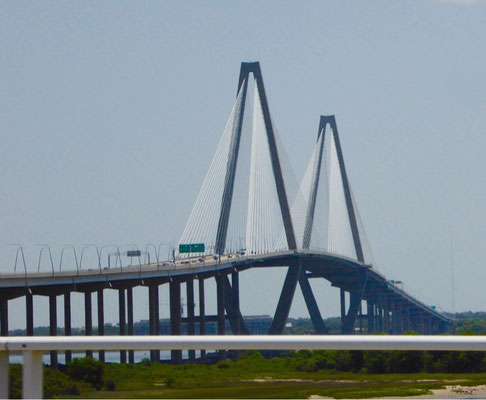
(388, 308)
(243, 219)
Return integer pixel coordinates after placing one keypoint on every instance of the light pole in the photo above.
(148, 254)
(43, 247)
(21, 249)
(168, 249)
(101, 252)
(67, 246)
(118, 257)
(97, 253)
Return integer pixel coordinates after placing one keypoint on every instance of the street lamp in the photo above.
(101, 252)
(97, 253)
(118, 257)
(148, 254)
(21, 249)
(69, 246)
(45, 246)
(168, 249)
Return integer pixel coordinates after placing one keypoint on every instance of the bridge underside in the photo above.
(375, 305)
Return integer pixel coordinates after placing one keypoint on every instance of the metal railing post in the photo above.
(32, 374)
(3, 374)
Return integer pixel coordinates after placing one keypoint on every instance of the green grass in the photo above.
(269, 390)
(236, 380)
(292, 376)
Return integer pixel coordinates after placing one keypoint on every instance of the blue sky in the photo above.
(110, 113)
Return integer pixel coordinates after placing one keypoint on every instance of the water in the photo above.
(110, 357)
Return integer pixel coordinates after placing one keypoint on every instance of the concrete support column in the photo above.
(154, 318)
(88, 319)
(342, 295)
(235, 286)
(67, 322)
(370, 315)
(122, 320)
(29, 311)
(376, 302)
(394, 317)
(190, 314)
(101, 320)
(401, 321)
(380, 312)
(175, 317)
(53, 326)
(202, 313)
(4, 316)
(406, 320)
(387, 314)
(352, 315)
(235, 289)
(131, 353)
(221, 315)
(360, 318)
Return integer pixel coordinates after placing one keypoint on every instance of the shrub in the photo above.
(58, 384)
(252, 355)
(223, 364)
(110, 385)
(146, 361)
(86, 370)
(357, 361)
(170, 381)
(304, 353)
(15, 381)
(344, 361)
(375, 361)
(405, 361)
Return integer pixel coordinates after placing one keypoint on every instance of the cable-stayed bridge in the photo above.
(250, 213)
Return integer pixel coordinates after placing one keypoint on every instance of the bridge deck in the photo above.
(340, 271)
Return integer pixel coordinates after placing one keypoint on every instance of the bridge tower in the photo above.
(327, 125)
(295, 274)
(225, 177)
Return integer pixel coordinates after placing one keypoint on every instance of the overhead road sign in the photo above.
(192, 248)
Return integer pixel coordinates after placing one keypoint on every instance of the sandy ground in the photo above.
(450, 392)
(458, 392)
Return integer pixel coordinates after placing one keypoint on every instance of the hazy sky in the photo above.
(111, 111)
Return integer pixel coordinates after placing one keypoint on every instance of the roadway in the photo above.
(342, 272)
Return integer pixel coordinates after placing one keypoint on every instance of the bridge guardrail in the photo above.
(33, 347)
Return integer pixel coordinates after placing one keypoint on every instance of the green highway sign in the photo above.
(192, 248)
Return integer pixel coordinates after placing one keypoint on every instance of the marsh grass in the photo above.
(296, 375)
(256, 377)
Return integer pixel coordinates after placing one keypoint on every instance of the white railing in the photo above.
(32, 348)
